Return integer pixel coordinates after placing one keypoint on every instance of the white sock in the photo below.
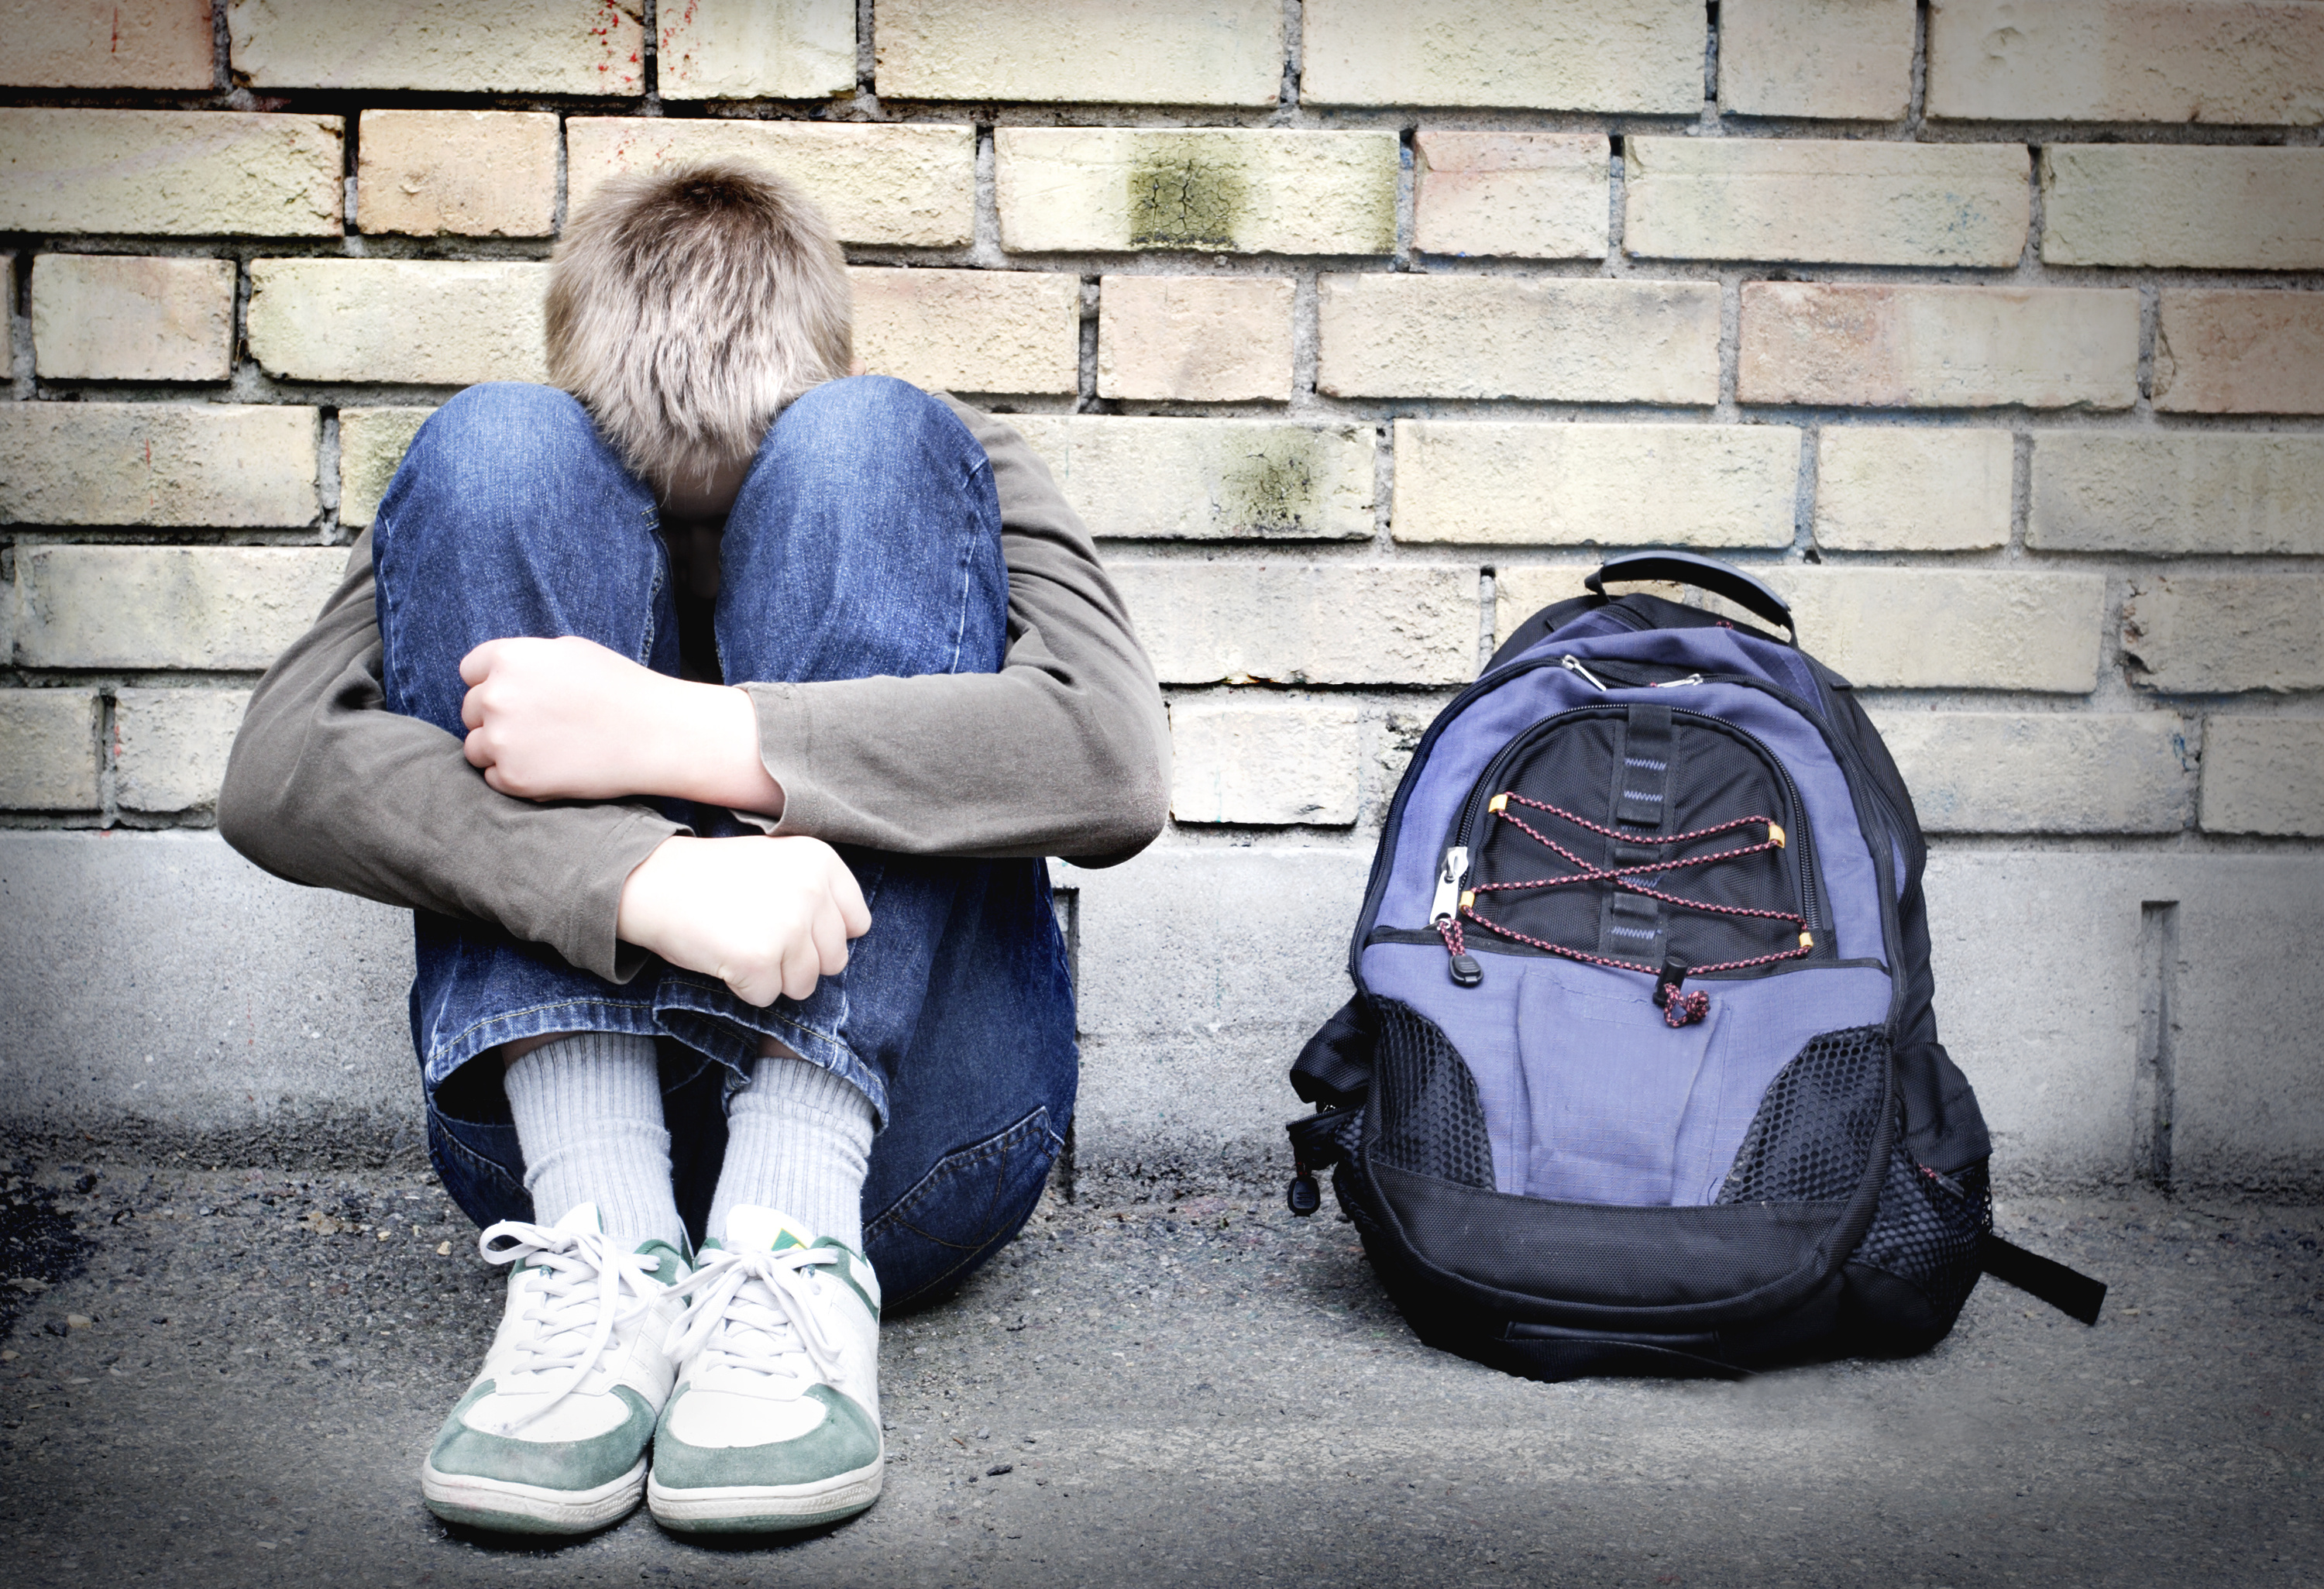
(797, 1139)
(588, 1116)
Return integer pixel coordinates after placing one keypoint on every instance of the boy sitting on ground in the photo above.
(711, 714)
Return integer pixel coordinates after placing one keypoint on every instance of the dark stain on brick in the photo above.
(1180, 199)
(1272, 489)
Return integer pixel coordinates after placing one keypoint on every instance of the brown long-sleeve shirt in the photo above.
(1065, 751)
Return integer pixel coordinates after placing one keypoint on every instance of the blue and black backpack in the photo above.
(1641, 1075)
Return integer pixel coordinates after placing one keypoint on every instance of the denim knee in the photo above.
(484, 420)
(870, 414)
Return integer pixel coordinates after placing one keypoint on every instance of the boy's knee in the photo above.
(502, 419)
(867, 411)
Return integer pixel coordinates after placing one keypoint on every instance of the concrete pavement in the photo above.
(1202, 1393)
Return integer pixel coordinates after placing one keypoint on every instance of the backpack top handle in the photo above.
(1684, 567)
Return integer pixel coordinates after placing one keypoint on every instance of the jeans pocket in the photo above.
(968, 1205)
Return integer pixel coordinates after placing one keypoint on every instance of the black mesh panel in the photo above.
(1926, 1232)
(1811, 1139)
(1430, 1122)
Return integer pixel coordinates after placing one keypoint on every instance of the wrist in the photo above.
(706, 738)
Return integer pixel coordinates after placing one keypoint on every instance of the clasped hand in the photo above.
(568, 719)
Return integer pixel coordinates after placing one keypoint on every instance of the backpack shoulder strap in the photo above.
(2070, 1291)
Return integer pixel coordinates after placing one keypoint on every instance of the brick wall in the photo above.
(1991, 325)
(1987, 329)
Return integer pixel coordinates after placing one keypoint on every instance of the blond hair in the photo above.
(686, 308)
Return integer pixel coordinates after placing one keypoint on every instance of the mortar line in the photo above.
(1087, 371)
(1294, 34)
(107, 767)
(1709, 121)
(1916, 102)
(1407, 199)
(2149, 324)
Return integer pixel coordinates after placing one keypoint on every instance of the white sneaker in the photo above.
(551, 1436)
(775, 1423)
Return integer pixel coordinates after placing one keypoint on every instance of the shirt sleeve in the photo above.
(1064, 751)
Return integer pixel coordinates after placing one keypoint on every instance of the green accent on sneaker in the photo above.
(846, 1271)
(843, 1442)
(546, 1465)
(670, 1265)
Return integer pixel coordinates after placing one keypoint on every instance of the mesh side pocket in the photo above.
(1926, 1233)
(1430, 1120)
(1813, 1134)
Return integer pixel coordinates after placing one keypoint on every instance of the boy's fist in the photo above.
(567, 719)
(765, 916)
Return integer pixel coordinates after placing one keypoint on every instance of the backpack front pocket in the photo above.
(1637, 837)
(1609, 1089)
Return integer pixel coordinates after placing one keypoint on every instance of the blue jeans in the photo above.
(866, 541)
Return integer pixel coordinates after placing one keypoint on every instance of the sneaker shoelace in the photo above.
(754, 1310)
(585, 1288)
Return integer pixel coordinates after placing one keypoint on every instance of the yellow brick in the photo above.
(1888, 488)
(419, 322)
(106, 44)
(2240, 353)
(913, 184)
(170, 172)
(1210, 479)
(219, 609)
(129, 318)
(1195, 338)
(1850, 59)
(1008, 331)
(2263, 775)
(1564, 340)
(1265, 759)
(169, 746)
(2042, 771)
(756, 49)
(1554, 485)
(180, 466)
(1265, 191)
(1948, 629)
(2122, 60)
(1872, 202)
(1522, 195)
(1299, 622)
(1522, 590)
(2228, 209)
(1088, 51)
(1919, 347)
(2177, 492)
(474, 173)
(1616, 55)
(446, 46)
(2206, 635)
(372, 443)
(48, 750)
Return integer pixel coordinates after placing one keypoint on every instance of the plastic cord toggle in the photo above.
(1679, 1008)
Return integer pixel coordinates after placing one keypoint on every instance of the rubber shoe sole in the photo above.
(765, 1508)
(508, 1507)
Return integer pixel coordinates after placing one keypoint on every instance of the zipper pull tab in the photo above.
(1303, 1195)
(1679, 683)
(1447, 903)
(1573, 665)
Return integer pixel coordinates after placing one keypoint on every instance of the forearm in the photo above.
(325, 786)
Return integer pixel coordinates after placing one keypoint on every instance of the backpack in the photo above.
(1641, 1075)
